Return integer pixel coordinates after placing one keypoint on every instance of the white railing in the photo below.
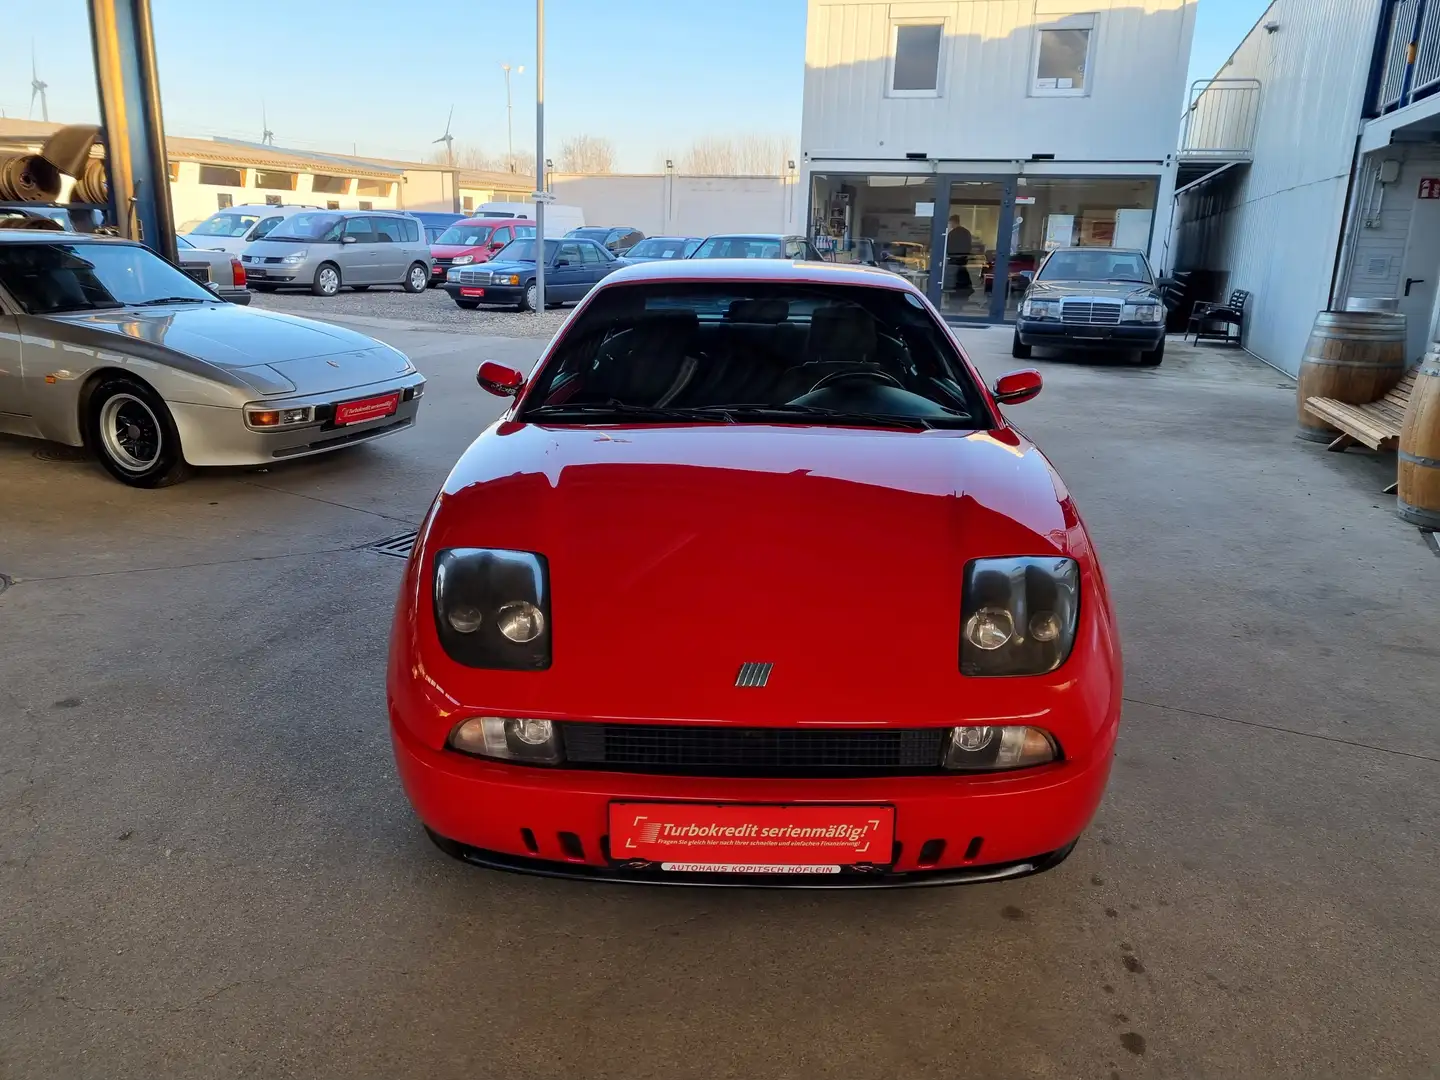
(1220, 120)
(1411, 68)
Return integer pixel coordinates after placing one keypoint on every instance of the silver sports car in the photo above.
(106, 345)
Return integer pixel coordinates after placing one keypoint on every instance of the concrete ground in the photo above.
(208, 868)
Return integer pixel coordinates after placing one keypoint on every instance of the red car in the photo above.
(754, 584)
(474, 240)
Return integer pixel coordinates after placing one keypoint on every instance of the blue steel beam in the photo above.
(129, 89)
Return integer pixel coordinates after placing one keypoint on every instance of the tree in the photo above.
(586, 154)
(471, 157)
(742, 155)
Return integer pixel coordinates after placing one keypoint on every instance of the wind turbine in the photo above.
(37, 87)
(448, 139)
(267, 137)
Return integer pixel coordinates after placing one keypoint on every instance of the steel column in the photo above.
(129, 90)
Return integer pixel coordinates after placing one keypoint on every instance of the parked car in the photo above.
(474, 240)
(756, 246)
(663, 247)
(325, 250)
(559, 218)
(572, 268)
(157, 375)
(219, 271)
(434, 223)
(1093, 298)
(234, 227)
(67, 218)
(655, 485)
(619, 239)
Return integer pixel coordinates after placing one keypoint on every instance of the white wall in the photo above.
(985, 110)
(192, 200)
(1274, 226)
(660, 204)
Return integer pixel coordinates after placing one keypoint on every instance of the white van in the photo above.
(559, 219)
(234, 227)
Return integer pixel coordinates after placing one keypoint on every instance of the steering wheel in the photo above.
(836, 376)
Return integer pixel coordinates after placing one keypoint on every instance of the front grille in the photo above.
(706, 750)
(274, 259)
(1092, 312)
(473, 277)
(442, 261)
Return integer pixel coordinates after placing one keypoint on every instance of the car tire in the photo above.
(1152, 357)
(131, 431)
(1018, 349)
(416, 278)
(468, 305)
(530, 299)
(327, 280)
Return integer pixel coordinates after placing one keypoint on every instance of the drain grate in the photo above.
(58, 452)
(398, 546)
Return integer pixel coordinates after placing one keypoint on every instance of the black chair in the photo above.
(1220, 322)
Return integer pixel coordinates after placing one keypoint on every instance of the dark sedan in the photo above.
(1093, 298)
(572, 268)
(619, 239)
(655, 248)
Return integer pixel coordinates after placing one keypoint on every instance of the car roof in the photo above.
(673, 238)
(763, 270)
(481, 219)
(751, 236)
(1101, 250)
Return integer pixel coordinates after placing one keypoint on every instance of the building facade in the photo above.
(965, 138)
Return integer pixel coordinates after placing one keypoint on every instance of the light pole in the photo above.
(539, 156)
(510, 115)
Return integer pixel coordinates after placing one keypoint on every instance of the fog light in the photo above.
(987, 749)
(989, 628)
(536, 742)
(520, 621)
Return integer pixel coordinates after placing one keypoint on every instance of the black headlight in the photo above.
(1018, 615)
(492, 608)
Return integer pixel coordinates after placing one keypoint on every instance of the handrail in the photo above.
(1220, 120)
(1410, 69)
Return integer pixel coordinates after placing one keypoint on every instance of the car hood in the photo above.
(316, 357)
(513, 266)
(693, 550)
(1120, 290)
(232, 244)
(449, 251)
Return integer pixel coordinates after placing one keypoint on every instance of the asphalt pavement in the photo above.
(208, 868)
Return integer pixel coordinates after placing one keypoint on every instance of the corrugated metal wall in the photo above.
(985, 111)
(1273, 228)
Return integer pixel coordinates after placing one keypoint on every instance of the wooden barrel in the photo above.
(1352, 356)
(1417, 495)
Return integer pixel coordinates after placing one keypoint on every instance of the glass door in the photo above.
(973, 238)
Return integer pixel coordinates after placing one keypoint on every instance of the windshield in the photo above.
(316, 226)
(50, 278)
(736, 352)
(659, 247)
(1077, 264)
(466, 235)
(225, 225)
(739, 247)
(524, 251)
(590, 234)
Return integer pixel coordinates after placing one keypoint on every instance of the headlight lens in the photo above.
(536, 742)
(296, 257)
(462, 260)
(1142, 313)
(1018, 615)
(1039, 309)
(991, 748)
(506, 279)
(492, 608)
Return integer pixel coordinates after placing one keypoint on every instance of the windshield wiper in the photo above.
(171, 300)
(834, 416)
(619, 408)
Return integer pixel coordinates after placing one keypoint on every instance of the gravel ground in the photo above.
(431, 309)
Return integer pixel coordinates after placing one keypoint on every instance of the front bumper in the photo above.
(489, 294)
(513, 816)
(1060, 335)
(213, 436)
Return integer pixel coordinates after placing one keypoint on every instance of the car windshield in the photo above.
(659, 247)
(590, 234)
(756, 353)
(1080, 265)
(50, 278)
(466, 235)
(320, 227)
(739, 247)
(524, 251)
(225, 225)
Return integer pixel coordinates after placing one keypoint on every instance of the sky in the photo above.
(379, 78)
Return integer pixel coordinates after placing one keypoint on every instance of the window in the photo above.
(524, 232)
(590, 255)
(265, 226)
(1062, 57)
(502, 236)
(232, 225)
(465, 235)
(332, 204)
(174, 172)
(374, 187)
(224, 201)
(468, 202)
(361, 229)
(220, 177)
(313, 225)
(330, 185)
(366, 204)
(273, 200)
(569, 253)
(389, 230)
(410, 229)
(47, 278)
(915, 67)
(280, 181)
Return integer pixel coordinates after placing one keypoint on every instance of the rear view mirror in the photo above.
(499, 380)
(1016, 386)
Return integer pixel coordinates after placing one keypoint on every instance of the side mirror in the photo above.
(1166, 282)
(349, 239)
(499, 380)
(1016, 386)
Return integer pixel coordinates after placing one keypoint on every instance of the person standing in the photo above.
(958, 244)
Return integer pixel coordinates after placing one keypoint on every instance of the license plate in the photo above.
(254, 273)
(371, 408)
(751, 839)
(471, 292)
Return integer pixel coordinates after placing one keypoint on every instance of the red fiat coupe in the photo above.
(754, 584)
